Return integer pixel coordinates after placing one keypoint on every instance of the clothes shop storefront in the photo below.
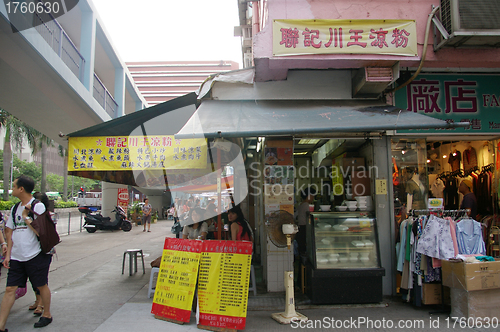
(431, 164)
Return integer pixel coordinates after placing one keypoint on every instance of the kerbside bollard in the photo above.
(81, 217)
(69, 222)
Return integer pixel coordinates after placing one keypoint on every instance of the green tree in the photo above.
(15, 132)
(39, 142)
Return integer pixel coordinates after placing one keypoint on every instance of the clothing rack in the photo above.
(487, 168)
(471, 170)
(455, 213)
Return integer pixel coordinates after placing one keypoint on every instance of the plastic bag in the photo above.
(20, 292)
(176, 228)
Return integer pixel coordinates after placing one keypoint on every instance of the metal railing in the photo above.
(103, 97)
(52, 32)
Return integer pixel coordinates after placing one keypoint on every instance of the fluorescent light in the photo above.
(309, 141)
(252, 147)
(299, 153)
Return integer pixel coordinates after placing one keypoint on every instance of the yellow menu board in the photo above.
(176, 281)
(223, 284)
(120, 153)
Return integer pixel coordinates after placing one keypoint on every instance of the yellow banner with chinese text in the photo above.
(119, 153)
(391, 37)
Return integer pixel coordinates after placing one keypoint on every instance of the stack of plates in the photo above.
(364, 203)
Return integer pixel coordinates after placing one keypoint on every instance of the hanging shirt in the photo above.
(436, 239)
(454, 160)
(470, 237)
(470, 158)
(437, 188)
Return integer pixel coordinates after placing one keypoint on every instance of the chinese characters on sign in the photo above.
(176, 283)
(136, 153)
(294, 37)
(455, 98)
(223, 284)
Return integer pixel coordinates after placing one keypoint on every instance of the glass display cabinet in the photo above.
(343, 258)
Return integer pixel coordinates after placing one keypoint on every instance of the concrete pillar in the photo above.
(110, 198)
(87, 47)
(120, 91)
(384, 207)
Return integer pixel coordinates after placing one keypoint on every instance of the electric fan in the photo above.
(281, 230)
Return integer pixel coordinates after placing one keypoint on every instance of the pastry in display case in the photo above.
(343, 261)
(343, 241)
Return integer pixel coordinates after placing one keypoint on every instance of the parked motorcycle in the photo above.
(95, 221)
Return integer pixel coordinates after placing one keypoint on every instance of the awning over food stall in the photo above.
(140, 150)
(247, 118)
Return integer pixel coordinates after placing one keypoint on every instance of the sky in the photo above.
(172, 30)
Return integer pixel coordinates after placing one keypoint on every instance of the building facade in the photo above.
(434, 58)
(162, 81)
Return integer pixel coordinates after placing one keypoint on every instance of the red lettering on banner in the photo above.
(167, 141)
(400, 38)
(155, 141)
(121, 142)
(356, 37)
(379, 38)
(309, 36)
(289, 37)
(110, 142)
(133, 141)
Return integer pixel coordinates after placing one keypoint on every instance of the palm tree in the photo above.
(39, 142)
(15, 132)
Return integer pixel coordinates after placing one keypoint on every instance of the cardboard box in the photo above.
(353, 164)
(481, 303)
(431, 293)
(471, 276)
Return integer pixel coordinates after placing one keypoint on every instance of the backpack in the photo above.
(45, 227)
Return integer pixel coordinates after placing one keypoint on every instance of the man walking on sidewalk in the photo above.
(24, 258)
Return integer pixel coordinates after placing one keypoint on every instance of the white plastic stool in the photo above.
(151, 288)
(133, 259)
(253, 284)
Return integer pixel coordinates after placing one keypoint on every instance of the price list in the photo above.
(224, 277)
(176, 283)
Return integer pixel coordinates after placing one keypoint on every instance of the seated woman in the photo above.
(240, 229)
(195, 227)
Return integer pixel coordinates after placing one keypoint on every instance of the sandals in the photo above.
(38, 311)
(33, 306)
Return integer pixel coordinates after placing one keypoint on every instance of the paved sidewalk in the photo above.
(89, 293)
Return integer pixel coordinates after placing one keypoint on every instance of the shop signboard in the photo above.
(223, 284)
(279, 176)
(392, 37)
(123, 198)
(176, 283)
(454, 98)
(123, 153)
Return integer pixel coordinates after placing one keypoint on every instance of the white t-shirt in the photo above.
(194, 233)
(25, 243)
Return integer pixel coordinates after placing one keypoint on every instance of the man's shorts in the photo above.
(36, 269)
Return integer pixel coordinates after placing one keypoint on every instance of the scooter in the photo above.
(95, 221)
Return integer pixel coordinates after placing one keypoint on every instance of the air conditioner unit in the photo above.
(470, 23)
(370, 82)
